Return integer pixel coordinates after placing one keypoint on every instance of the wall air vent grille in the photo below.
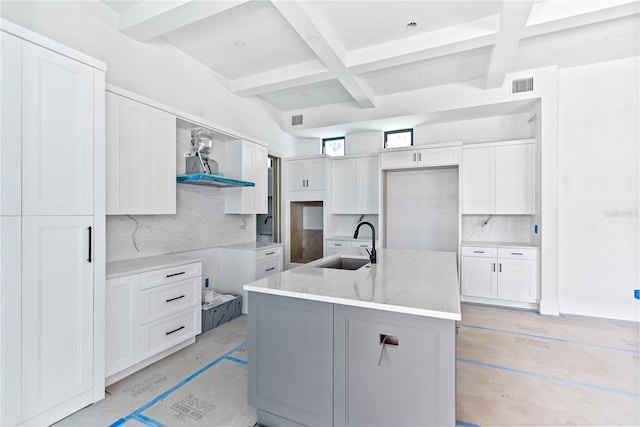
(296, 120)
(522, 85)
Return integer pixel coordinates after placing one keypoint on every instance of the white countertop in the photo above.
(254, 246)
(140, 265)
(499, 244)
(423, 283)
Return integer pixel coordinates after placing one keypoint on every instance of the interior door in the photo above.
(57, 312)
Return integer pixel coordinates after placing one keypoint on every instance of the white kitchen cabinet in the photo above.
(52, 252)
(141, 158)
(354, 185)
(334, 246)
(11, 130)
(500, 273)
(151, 313)
(57, 122)
(123, 323)
(247, 262)
(306, 174)
(246, 161)
(420, 157)
(498, 179)
(57, 312)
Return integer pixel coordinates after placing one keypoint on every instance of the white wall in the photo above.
(155, 69)
(363, 142)
(598, 189)
(500, 128)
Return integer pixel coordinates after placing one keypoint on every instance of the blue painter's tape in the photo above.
(138, 412)
(626, 350)
(636, 294)
(234, 359)
(148, 421)
(465, 424)
(550, 378)
(119, 422)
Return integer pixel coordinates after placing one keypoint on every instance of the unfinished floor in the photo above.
(514, 368)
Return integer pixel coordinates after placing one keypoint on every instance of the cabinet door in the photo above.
(399, 159)
(409, 382)
(10, 318)
(259, 161)
(517, 280)
(479, 277)
(315, 174)
(122, 323)
(432, 157)
(343, 186)
(147, 164)
(57, 134)
(247, 161)
(478, 180)
(112, 153)
(296, 179)
(57, 313)
(367, 181)
(161, 154)
(10, 131)
(291, 358)
(514, 179)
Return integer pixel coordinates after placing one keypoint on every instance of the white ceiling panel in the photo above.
(120, 5)
(460, 67)
(249, 39)
(313, 95)
(604, 41)
(359, 24)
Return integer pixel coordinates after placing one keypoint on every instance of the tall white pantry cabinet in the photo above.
(52, 224)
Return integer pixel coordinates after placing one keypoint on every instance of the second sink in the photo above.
(345, 263)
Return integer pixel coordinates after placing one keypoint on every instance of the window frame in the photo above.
(344, 145)
(410, 130)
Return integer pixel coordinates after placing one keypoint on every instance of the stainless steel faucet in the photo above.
(372, 254)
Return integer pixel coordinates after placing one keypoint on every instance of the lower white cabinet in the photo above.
(334, 246)
(245, 263)
(150, 314)
(500, 273)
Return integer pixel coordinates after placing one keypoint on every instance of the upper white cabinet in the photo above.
(498, 178)
(306, 174)
(57, 122)
(420, 158)
(355, 185)
(141, 158)
(10, 131)
(247, 161)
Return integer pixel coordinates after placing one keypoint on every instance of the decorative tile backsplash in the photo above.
(199, 222)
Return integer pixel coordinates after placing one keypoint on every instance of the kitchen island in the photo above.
(369, 346)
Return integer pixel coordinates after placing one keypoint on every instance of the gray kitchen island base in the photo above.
(315, 363)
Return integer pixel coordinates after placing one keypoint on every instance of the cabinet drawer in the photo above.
(269, 253)
(439, 156)
(517, 253)
(338, 244)
(161, 301)
(365, 245)
(162, 334)
(479, 251)
(268, 268)
(169, 275)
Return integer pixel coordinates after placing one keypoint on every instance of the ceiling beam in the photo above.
(150, 19)
(513, 21)
(317, 34)
(282, 78)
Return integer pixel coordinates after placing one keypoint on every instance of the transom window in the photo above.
(398, 138)
(333, 146)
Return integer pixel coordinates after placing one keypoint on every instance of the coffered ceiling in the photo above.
(302, 54)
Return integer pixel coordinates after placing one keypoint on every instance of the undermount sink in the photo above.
(345, 263)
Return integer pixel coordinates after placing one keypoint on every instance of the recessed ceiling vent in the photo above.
(522, 85)
(296, 120)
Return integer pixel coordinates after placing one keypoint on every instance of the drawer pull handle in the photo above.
(494, 266)
(175, 330)
(478, 252)
(517, 253)
(173, 299)
(176, 274)
(500, 269)
(270, 253)
(337, 244)
(269, 269)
